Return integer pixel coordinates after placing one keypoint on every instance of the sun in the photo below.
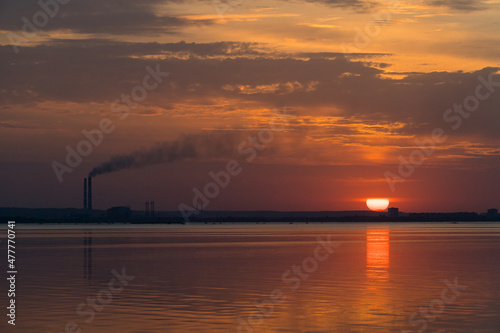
(377, 204)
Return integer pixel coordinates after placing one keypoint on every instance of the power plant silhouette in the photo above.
(87, 193)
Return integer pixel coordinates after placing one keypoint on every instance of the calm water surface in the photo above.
(208, 278)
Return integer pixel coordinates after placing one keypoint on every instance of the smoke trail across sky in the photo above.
(191, 146)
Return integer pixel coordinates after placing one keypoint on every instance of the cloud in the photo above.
(365, 5)
(115, 17)
(227, 78)
(359, 5)
(5, 124)
(275, 88)
(460, 5)
(100, 70)
(319, 55)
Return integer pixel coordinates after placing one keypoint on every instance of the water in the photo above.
(206, 278)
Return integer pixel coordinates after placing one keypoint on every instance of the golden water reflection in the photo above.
(377, 254)
(202, 278)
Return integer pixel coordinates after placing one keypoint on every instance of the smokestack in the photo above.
(89, 200)
(85, 193)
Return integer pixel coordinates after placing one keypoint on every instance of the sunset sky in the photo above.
(356, 85)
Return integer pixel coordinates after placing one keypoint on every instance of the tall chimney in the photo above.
(89, 200)
(85, 193)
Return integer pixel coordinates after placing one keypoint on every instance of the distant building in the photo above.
(393, 212)
(492, 214)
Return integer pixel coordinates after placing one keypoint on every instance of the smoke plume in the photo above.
(193, 146)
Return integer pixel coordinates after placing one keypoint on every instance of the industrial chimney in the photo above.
(89, 199)
(85, 193)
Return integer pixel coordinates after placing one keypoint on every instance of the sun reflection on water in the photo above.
(377, 254)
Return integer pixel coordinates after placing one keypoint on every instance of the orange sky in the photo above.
(233, 67)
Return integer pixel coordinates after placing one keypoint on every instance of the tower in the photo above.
(89, 199)
(85, 193)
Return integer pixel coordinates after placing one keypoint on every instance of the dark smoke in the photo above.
(206, 145)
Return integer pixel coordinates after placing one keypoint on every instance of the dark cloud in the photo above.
(317, 55)
(359, 5)
(112, 49)
(366, 5)
(460, 5)
(88, 16)
(100, 71)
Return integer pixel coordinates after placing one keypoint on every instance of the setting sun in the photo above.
(377, 204)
